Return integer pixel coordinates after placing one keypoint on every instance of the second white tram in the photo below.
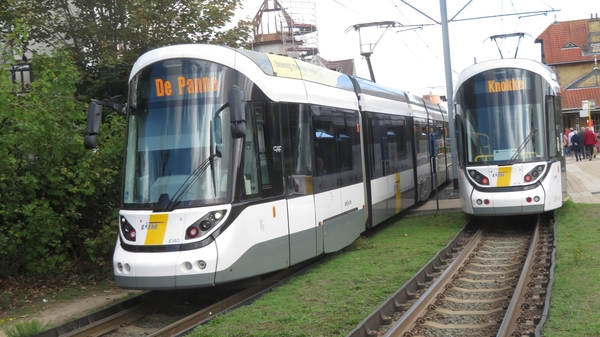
(509, 138)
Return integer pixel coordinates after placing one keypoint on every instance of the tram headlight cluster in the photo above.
(533, 174)
(479, 178)
(204, 224)
(127, 229)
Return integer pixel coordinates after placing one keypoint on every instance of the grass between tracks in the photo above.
(575, 301)
(332, 299)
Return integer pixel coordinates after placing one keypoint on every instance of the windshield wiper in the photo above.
(527, 139)
(190, 180)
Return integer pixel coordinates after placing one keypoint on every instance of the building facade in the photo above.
(572, 49)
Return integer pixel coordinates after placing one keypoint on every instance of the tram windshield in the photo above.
(178, 137)
(503, 117)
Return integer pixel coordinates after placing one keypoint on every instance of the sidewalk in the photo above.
(583, 180)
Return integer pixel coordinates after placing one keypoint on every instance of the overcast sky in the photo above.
(414, 60)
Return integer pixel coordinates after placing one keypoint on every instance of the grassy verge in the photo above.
(332, 299)
(575, 301)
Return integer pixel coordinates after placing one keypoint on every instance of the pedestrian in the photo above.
(581, 133)
(566, 143)
(577, 146)
(589, 140)
(570, 144)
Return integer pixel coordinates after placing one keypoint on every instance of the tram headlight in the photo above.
(536, 198)
(205, 225)
(216, 215)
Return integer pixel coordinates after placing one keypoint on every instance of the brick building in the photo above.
(571, 48)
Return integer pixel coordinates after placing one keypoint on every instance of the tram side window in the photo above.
(389, 145)
(553, 129)
(301, 149)
(250, 158)
(337, 147)
(262, 152)
(422, 142)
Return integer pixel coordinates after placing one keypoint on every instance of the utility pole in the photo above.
(449, 92)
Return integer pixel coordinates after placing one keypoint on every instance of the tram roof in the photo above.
(526, 64)
(275, 66)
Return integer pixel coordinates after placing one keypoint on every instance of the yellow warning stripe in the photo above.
(504, 173)
(157, 227)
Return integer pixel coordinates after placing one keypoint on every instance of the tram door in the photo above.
(296, 131)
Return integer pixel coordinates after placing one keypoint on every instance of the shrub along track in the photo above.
(497, 285)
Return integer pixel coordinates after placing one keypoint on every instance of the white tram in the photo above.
(240, 163)
(509, 138)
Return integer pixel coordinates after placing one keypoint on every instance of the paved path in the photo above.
(583, 180)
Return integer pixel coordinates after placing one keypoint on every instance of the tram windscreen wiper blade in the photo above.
(190, 180)
(522, 146)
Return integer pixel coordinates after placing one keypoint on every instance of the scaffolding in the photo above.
(287, 27)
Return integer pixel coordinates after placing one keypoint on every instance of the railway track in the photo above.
(186, 308)
(495, 286)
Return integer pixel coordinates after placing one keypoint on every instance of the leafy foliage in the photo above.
(54, 195)
(26, 329)
(59, 202)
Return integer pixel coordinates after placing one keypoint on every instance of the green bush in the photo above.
(56, 198)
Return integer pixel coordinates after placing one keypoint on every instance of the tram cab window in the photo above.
(262, 151)
(257, 167)
(250, 158)
(300, 154)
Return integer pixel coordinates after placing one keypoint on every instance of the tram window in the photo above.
(554, 143)
(301, 150)
(389, 145)
(250, 162)
(262, 152)
(337, 145)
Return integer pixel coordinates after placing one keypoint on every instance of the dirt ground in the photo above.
(57, 313)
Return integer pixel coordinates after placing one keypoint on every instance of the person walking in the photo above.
(589, 140)
(570, 143)
(577, 146)
(566, 143)
(581, 133)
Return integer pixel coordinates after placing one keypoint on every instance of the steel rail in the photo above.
(513, 317)
(409, 320)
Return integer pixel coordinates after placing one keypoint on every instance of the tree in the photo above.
(106, 36)
(59, 202)
(56, 199)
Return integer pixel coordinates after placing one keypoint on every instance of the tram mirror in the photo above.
(238, 112)
(93, 125)
(90, 142)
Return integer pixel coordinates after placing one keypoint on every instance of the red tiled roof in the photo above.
(558, 35)
(571, 99)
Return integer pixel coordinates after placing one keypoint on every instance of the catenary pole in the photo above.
(449, 92)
